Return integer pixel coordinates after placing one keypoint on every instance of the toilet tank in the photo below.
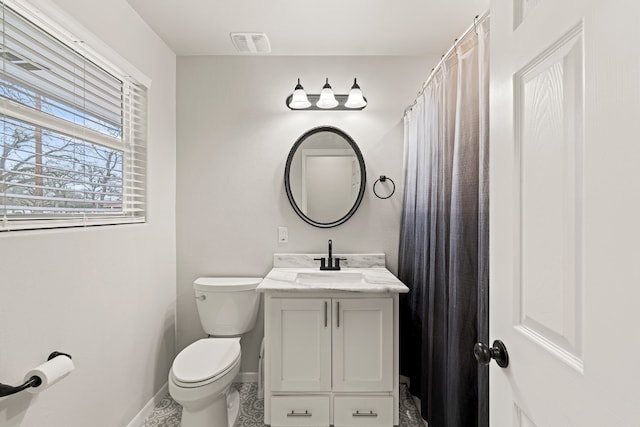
(227, 306)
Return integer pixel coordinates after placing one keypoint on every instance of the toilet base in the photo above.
(222, 412)
(213, 414)
(233, 407)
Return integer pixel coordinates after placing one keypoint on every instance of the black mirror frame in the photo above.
(363, 176)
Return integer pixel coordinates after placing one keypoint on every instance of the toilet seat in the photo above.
(205, 361)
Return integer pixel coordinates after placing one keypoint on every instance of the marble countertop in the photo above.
(296, 279)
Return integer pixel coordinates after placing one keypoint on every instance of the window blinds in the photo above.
(73, 134)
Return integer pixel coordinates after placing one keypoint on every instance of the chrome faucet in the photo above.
(328, 263)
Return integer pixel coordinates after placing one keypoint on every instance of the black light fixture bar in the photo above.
(313, 98)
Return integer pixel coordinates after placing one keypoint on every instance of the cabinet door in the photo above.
(300, 344)
(363, 345)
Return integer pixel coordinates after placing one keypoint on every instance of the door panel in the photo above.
(301, 344)
(565, 197)
(548, 123)
(363, 345)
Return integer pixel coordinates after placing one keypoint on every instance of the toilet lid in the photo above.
(205, 358)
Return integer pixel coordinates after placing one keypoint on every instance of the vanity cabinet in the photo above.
(331, 342)
(331, 361)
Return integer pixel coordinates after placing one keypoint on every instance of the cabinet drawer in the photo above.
(300, 411)
(366, 411)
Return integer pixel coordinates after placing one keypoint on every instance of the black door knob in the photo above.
(498, 352)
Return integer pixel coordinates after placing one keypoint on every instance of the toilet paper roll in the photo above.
(50, 372)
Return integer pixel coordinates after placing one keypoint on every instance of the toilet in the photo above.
(201, 375)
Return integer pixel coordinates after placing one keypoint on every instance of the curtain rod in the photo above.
(476, 21)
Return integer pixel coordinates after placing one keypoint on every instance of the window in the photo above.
(72, 132)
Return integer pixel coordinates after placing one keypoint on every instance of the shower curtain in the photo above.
(443, 254)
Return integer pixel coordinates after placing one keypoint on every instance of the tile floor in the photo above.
(167, 412)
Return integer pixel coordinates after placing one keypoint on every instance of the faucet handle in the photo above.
(337, 264)
(322, 262)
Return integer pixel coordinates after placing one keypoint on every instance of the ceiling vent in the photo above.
(251, 42)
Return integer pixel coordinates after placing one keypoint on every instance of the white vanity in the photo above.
(331, 342)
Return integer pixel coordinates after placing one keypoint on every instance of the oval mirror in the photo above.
(325, 177)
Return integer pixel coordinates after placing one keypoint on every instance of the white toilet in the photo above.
(201, 375)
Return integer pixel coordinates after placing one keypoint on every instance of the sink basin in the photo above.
(328, 278)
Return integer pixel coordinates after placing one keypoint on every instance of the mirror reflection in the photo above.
(325, 177)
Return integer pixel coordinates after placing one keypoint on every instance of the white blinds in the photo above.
(73, 135)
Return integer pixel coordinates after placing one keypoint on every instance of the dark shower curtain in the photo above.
(443, 255)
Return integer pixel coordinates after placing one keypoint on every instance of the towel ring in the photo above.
(383, 179)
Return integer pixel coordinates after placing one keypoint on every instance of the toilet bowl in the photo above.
(201, 375)
(200, 380)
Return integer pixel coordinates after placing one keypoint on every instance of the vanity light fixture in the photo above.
(326, 100)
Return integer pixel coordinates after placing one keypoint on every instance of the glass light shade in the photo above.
(355, 99)
(327, 98)
(299, 98)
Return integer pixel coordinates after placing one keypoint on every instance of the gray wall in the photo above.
(234, 135)
(106, 295)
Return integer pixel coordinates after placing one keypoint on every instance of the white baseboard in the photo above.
(247, 377)
(144, 412)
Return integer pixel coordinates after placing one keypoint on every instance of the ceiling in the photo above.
(306, 27)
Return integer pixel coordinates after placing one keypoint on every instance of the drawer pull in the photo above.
(299, 414)
(364, 414)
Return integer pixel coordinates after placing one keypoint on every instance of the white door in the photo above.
(300, 344)
(565, 212)
(363, 345)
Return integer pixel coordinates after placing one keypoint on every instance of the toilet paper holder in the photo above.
(34, 381)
